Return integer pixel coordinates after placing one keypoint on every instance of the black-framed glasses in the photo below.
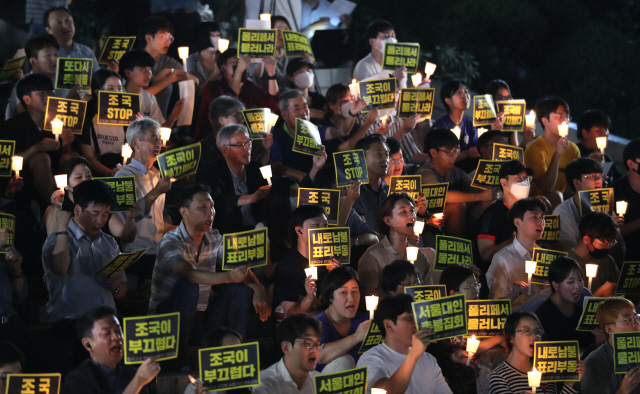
(450, 153)
(242, 145)
(528, 331)
(311, 345)
(566, 117)
(605, 244)
(44, 93)
(414, 282)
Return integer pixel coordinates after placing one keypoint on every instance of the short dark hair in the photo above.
(448, 90)
(221, 58)
(294, 326)
(484, 139)
(32, 83)
(598, 225)
(47, 13)
(523, 206)
(133, 59)
(390, 308)
(440, 138)
(547, 105)
(152, 25)
(325, 177)
(386, 209)
(592, 118)
(85, 324)
(366, 142)
(335, 280)
(495, 85)
(202, 35)
(68, 166)
(579, 167)
(222, 106)
(299, 216)
(333, 95)
(215, 337)
(511, 325)
(560, 268)
(394, 145)
(95, 192)
(99, 78)
(631, 151)
(395, 273)
(10, 353)
(453, 276)
(185, 195)
(276, 18)
(376, 27)
(36, 43)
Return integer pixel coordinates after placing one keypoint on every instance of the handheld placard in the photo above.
(351, 167)
(409, 184)
(33, 383)
(115, 48)
(416, 101)
(446, 316)
(246, 248)
(180, 162)
(329, 199)
(151, 336)
(124, 188)
(327, 244)
(72, 72)
(452, 251)
(70, 112)
(557, 361)
(115, 108)
(120, 263)
(8, 161)
(486, 318)
(230, 367)
(426, 292)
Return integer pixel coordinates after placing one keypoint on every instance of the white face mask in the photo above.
(214, 42)
(382, 42)
(304, 80)
(345, 108)
(520, 190)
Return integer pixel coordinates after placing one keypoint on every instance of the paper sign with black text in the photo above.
(124, 187)
(72, 72)
(8, 221)
(486, 318)
(557, 360)
(426, 292)
(346, 382)
(11, 66)
(326, 244)
(7, 150)
(398, 54)
(153, 336)
(416, 101)
(230, 367)
(256, 120)
(503, 152)
(452, 251)
(409, 184)
(257, 43)
(115, 48)
(626, 351)
(446, 316)
(351, 167)
(629, 281)
(436, 195)
(296, 44)
(543, 259)
(180, 162)
(307, 139)
(120, 263)
(245, 248)
(33, 383)
(551, 232)
(329, 199)
(378, 93)
(588, 320)
(514, 111)
(373, 338)
(115, 108)
(484, 111)
(596, 200)
(70, 112)
(487, 174)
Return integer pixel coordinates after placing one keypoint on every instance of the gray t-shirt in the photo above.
(164, 95)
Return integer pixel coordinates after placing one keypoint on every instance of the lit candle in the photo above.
(429, 69)
(272, 119)
(534, 379)
(621, 206)
(61, 181)
(592, 271)
(265, 17)
(312, 271)
(418, 226)
(438, 215)
(56, 126)
(481, 131)
(456, 131)
(183, 53)
(165, 134)
(530, 269)
(563, 129)
(531, 118)
(383, 120)
(378, 391)
(472, 347)
(416, 79)
(223, 45)
(353, 87)
(266, 173)
(412, 253)
(602, 143)
(372, 304)
(192, 379)
(126, 152)
(16, 165)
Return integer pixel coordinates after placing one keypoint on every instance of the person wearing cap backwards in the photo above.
(301, 77)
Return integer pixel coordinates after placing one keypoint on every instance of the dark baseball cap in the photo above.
(513, 167)
(296, 64)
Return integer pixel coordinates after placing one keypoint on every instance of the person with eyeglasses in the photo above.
(550, 153)
(628, 189)
(396, 276)
(298, 336)
(521, 331)
(615, 314)
(592, 124)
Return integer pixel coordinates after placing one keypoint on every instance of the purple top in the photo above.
(466, 129)
(330, 334)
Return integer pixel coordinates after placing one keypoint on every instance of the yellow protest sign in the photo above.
(124, 187)
(256, 120)
(484, 112)
(416, 101)
(543, 259)
(373, 338)
(629, 280)
(33, 383)
(557, 360)
(8, 221)
(486, 318)
(378, 93)
(588, 320)
(115, 48)
(257, 43)
(296, 44)
(446, 316)
(180, 162)
(115, 108)
(120, 263)
(326, 244)
(401, 55)
(70, 112)
(351, 381)
(626, 351)
(487, 174)
(426, 292)
(452, 251)
(596, 200)
(436, 195)
(151, 336)
(329, 199)
(245, 248)
(307, 138)
(11, 66)
(230, 367)
(72, 72)
(350, 167)
(551, 232)
(513, 111)
(7, 150)
(409, 184)
(504, 152)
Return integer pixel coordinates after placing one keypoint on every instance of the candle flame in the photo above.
(192, 379)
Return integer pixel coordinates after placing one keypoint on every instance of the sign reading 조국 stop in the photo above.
(557, 360)
(115, 48)
(351, 167)
(484, 112)
(426, 292)
(596, 200)
(72, 72)
(486, 318)
(378, 93)
(543, 259)
(629, 280)
(329, 199)
(446, 316)
(436, 195)
(307, 138)
(345, 382)
(416, 101)
(503, 152)
(124, 187)
(70, 112)
(452, 251)
(513, 111)
(115, 108)
(326, 244)
(230, 367)
(401, 55)
(7, 150)
(180, 162)
(257, 43)
(487, 174)
(33, 383)
(409, 184)
(151, 336)
(296, 44)
(245, 248)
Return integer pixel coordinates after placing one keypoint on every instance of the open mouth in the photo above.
(116, 349)
(576, 295)
(312, 360)
(350, 308)
(208, 223)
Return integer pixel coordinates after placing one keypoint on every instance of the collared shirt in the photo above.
(80, 290)
(79, 51)
(151, 227)
(382, 254)
(277, 380)
(177, 246)
(368, 202)
(241, 188)
(507, 267)
(569, 221)
(368, 67)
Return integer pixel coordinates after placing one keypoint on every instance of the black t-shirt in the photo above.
(622, 191)
(558, 327)
(494, 224)
(289, 277)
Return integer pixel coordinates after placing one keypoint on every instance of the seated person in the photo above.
(378, 33)
(301, 77)
(14, 283)
(299, 339)
(598, 234)
(376, 155)
(628, 189)
(223, 111)
(11, 361)
(396, 217)
(592, 124)
(616, 314)
(238, 188)
(500, 91)
(396, 276)
(262, 79)
(343, 328)
(103, 372)
(400, 364)
(443, 147)
(280, 203)
(485, 145)
(396, 160)
(202, 61)
(58, 22)
(506, 276)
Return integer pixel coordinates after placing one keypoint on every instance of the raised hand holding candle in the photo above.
(378, 391)
(438, 215)
(592, 271)
(61, 181)
(372, 304)
(472, 347)
(481, 131)
(531, 118)
(530, 269)
(266, 173)
(563, 129)
(418, 227)
(412, 254)
(16, 165)
(621, 207)
(602, 143)
(126, 152)
(272, 119)
(429, 69)
(265, 17)
(312, 271)
(56, 128)
(416, 79)
(353, 87)
(183, 53)
(165, 134)
(223, 45)
(534, 379)
(456, 131)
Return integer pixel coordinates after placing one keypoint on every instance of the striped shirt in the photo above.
(177, 246)
(505, 379)
(36, 8)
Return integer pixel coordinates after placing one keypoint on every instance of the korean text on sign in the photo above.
(626, 350)
(596, 200)
(180, 162)
(487, 174)
(484, 112)
(379, 93)
(513, 111)
(373, 338)
(115, 48)
(551, 232)
(245, 248)
(416, 101)
(629, 281)
(588, 320)
(543, 259)
(7, 150)
(257, 122)
(353, 381)
(72, 72)
(70, 112)
(350, 167)
(228, 367)
(8, 221)
(307, 139)
(329, 199)
(296, 44)
(409, 184)
(325, 244)
(502, 152)
(446, 316)
(124, 187)
(452, 251)
(426, 292)
(257, 43)
(36, 383)
(151, 336)
(486, 318)
(120, 263)
(116, 108)
(401, 55)
(436, 195)
(557, 361)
